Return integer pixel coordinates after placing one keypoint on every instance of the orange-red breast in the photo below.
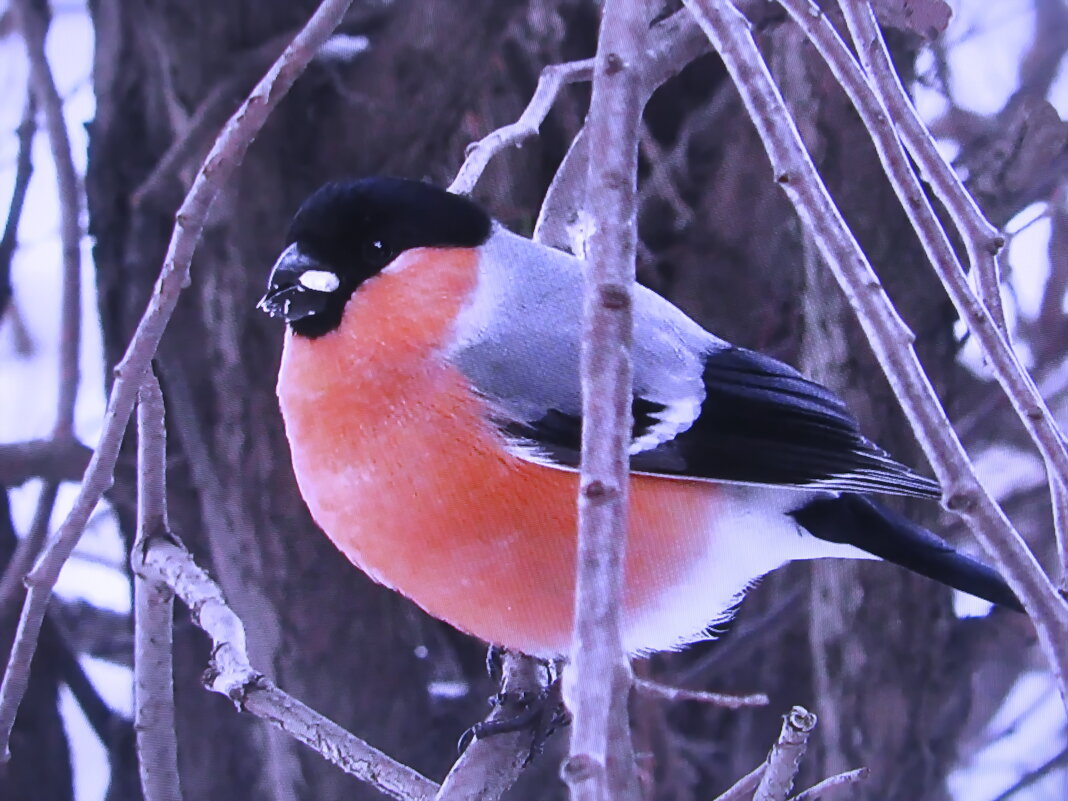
(430, 390)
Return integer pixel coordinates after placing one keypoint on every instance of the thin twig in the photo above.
(209, 115)
(111, 728)
(154, 719)
(1032, 776)
(552, 79)
(23, 172)
(743, 789)
(847, 779)
(33, 22)
(669, 693)
(672, 44)
(985, 318)
(597, 681)
(225, 155)
(232, 675)
(785, 757)
(889, 337)
(29, 546)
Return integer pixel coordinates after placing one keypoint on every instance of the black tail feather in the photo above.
(861, 522)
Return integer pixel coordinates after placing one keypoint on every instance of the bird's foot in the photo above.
(529, 700)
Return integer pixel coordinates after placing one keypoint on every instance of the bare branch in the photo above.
(29, 546)
(673, 43)
(847, 779)
(889, 337)
(111, 728)
(785, 757)
(209, 116)
(154, 720)
(552, 79)
(743, 789)
(490, 765)
(597, 680)
(23, 172)
(668, 693)
(50, 459)
(33, 21)
(232, 675)
(225, 155)
(982, 242)
(1029, 778)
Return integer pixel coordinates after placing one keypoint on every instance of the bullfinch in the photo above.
(430, 390)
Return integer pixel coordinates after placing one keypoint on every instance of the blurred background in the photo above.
(941, 697)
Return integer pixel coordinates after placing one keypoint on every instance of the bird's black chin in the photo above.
(293, 302)
(304, 294)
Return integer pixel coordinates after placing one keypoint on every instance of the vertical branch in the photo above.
(785, 758)
(890, 338)
(226, 154)
(34, 25)
(601, 765)
(157, 743)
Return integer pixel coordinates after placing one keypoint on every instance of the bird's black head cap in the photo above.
(351, 230)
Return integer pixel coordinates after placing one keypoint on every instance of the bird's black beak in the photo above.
(298, 287)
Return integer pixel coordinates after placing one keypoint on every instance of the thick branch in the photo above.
(888, 335)
(225, 155)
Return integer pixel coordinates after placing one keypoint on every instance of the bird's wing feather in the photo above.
(702, 409)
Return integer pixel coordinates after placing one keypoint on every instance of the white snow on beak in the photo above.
(319, 280)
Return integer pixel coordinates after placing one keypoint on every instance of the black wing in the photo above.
(760, 422)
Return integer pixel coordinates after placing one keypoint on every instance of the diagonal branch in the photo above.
(552, 79)
(225, 155)
(982, 242)
(890, 338)
(847, 779)
(743, 789)
(232, 675)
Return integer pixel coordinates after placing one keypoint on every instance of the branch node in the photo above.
(615, 296)
(580, 768)
(599, 491)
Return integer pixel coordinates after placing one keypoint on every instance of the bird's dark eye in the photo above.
(377, 253)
